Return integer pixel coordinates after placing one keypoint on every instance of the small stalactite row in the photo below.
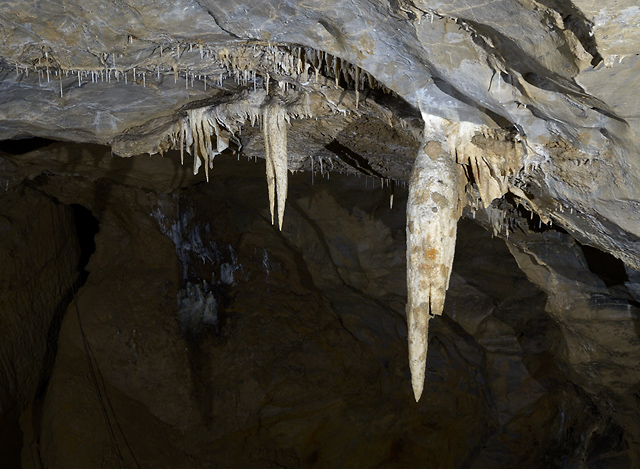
(251, 63)
(197, 137)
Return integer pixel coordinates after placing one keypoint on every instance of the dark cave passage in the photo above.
(87, 227)
(23, 146)
(608, 268)
(11, 434)
(11, 421)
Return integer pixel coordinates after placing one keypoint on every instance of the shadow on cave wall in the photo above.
(87, 227)
(11, 434)
(23, 146)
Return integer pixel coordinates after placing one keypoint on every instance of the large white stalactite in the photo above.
(432, 218)
(439, 189)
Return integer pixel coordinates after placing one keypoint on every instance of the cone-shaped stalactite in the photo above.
(275, 145)
(432, 217)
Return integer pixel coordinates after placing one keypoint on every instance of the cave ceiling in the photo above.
(530, 99)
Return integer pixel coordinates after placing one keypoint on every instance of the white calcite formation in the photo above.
(452, 155)
(275, 145)
(273, 113)
(432, 218)
(202, 125)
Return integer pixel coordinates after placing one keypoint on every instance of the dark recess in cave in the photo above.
(608, 268)
(533, 220)
(26, 145)
(86, 228)
(11, 436)
(10, 439)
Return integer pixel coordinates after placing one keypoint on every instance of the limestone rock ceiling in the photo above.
(529, 98)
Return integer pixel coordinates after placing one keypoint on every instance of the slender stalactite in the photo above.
(275, 144)
(432, 217)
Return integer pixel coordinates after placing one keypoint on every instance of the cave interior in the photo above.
(401, 233)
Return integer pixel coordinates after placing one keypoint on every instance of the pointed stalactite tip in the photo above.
(417, 389)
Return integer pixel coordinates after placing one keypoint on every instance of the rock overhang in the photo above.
(522, 87)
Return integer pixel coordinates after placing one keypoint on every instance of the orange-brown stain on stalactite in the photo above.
(431, 253)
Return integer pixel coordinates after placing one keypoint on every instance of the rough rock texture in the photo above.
(534, 104)
(216, 340)
(560, 75)
(600, 347)
(39, 255)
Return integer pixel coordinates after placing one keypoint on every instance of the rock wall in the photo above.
(205, 337)
(39, 256)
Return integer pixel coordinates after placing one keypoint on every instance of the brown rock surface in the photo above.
(38, 257)
(305, 364)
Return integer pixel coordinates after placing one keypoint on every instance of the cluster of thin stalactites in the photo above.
(205, 132)
(253, 63)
